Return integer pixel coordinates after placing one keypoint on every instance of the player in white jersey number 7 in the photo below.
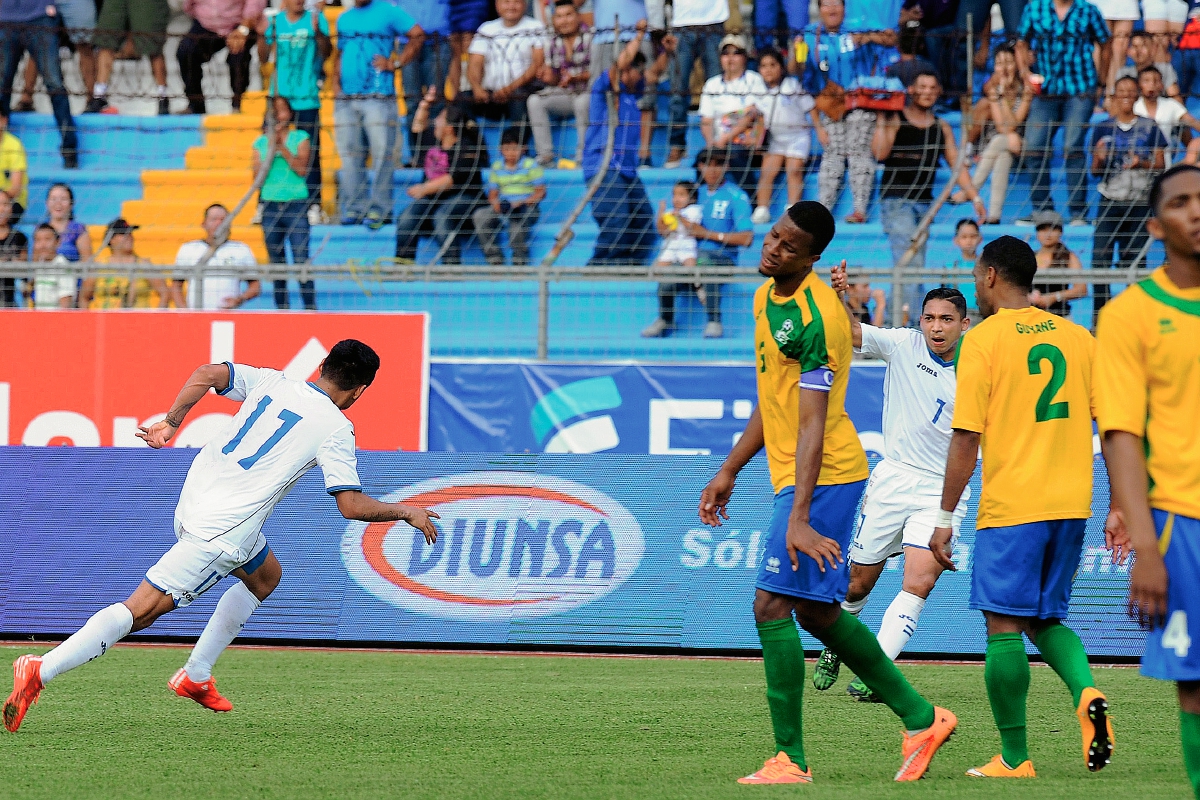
(903, 498)
(283, 429)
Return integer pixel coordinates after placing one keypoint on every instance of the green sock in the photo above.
(1189, 725)
(1006, 673)
(860, 651)
(1063, 651)
(783, 660)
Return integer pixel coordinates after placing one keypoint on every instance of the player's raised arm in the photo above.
(364, 508)
(209, 376)
(716, 494)
(841, 285)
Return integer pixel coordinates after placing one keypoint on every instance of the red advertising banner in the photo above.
(90, 378)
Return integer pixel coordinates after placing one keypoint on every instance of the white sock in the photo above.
(899, 623)
(855, 607)
(104, 629)
(233, 609)
(100, 90)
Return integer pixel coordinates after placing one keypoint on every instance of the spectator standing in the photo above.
(777, 22)
(789, 113)
(232, 262)
(284, 199)
(1053, 254)
(218, 25)
(1164, 21)
(1142, 53)
(74, 242)
(1119, 16)
(53, 287)
(515, 188)
(999, 122)
(1062, 35)
(79, 23)
(453, 157)
(1127, 152)
(724, 227)
(506, 56)
(910, 144)
(301, 41)
(729, 117)
(1167, 112)
(567, 75)
(432, 63)
(836, 57)
(27, 26)
(365, 105)
(111, 288)
(14, 246)
(627, 13)
(1186, 58)
(147, 21)
(14, 166)
(465, 18)
(699, 26)
(620, 205)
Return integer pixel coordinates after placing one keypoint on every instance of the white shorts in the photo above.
(193, 566)
(1170, 10)
(676, 251)
(791, 144)
(899, 510)
(1118, 9)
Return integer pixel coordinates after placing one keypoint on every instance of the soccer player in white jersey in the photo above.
(901, 503)
(283, 429)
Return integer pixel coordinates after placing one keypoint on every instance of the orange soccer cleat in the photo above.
(996, 768)
(919, 749)
(205, 694)
(779, 769)
(1097, 729)
(27, 686)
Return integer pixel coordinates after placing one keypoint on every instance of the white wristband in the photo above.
(945, 519)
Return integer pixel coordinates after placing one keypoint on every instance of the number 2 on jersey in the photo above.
(1046, 408)
(288, 421)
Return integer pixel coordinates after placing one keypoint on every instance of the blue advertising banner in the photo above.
(533, 407)
(558, 550)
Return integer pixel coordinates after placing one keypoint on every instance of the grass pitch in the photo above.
(378, 724)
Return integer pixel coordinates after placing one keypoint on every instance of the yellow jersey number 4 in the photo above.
(1047, 409)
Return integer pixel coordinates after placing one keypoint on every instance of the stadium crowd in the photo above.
(857, 85)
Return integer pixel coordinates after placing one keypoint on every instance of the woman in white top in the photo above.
(729, 117)
(789, 113)
(1167, 112)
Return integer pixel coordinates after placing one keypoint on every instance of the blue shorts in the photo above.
(1176, 659)
(832, 514)
(1027, 570)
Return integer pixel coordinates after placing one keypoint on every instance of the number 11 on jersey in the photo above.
(288, 420)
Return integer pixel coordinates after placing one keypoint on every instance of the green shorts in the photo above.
(145, 19)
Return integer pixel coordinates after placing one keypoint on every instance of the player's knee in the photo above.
(770, 607)
(920, 585)
(816, 617)
(1189, 697)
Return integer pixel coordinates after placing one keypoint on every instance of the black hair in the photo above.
(70, 194)
(211, 207)
(458, 114)
(558, 3)
(1012, 259)
(925, 73)
(958, 226)
(690, 187)
(815, 220)
(350, 364)
(512, 136)
(771, 52)
(950, 295)
(1142, 34)
(1124, 78)
(638, 61)
(1156, 185)
(46, 226)
(711, 155)
(1150, 68)
(1011, 49)
(910, 39)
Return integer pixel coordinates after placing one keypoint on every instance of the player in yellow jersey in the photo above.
(1025, 393)
(818, 468)
(1148, 406)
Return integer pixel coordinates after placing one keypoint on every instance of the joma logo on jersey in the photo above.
(511, 544)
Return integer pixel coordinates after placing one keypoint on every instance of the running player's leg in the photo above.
(862, 580)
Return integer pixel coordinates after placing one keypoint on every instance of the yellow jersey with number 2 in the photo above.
(803, 341)
(1025, 385)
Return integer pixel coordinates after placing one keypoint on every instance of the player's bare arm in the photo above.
(716, 494)
(841, 285)
(810, 445)
(209, 376)
(364, 508)
(1125, 455)
(960, 465)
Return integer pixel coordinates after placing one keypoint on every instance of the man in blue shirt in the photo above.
(619, 205)
(724, 228)
(1061, 34)
(432, 63)
(32, 26)
(365, 104)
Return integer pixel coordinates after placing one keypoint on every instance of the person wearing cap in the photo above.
(1053, 254)
(699, 28)
(729, 117)
(112, 288)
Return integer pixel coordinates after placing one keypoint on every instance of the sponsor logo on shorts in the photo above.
(512, 544)
(773, 565)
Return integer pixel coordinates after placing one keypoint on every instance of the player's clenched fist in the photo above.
(802, 538)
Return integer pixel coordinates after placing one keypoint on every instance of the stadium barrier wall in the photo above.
(536, 550)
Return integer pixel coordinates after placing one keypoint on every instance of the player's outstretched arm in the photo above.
(716, 495)
(960, 464)
(364, 508)
(209, 376)
(1125, 457)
